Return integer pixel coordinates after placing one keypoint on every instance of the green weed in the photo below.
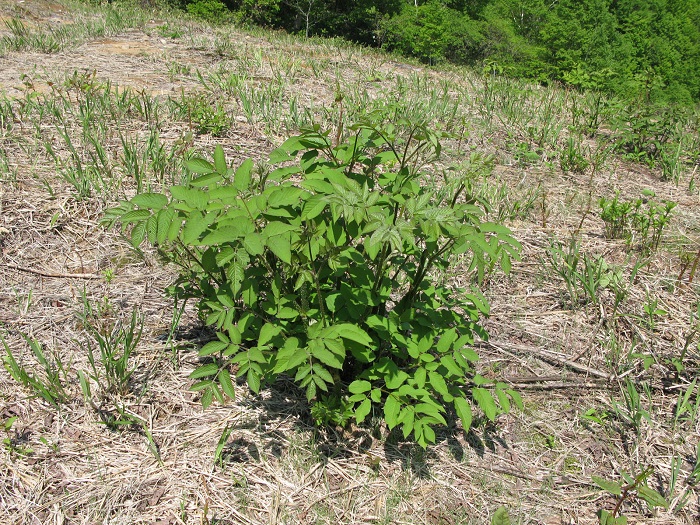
(51, 384)
(629, 488)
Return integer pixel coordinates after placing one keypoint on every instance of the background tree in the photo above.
(643, 49)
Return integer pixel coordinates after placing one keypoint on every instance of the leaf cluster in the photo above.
(326, 268)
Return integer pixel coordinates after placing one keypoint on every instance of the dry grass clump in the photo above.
(110, 112)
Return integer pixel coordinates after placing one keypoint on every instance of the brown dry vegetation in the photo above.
(60, 465)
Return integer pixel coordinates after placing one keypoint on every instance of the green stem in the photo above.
(426, 262)
(317, 282)
(194, 257)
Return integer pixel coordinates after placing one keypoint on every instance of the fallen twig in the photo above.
(55, 275)
(549, 356)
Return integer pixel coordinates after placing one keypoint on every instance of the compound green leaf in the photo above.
(300, 355)
(392, 408)
(138, 233)
(515, 396)
(323, 373)
(354, 333)
(396, 379)
(201, 385)
(503, 400)
(359, 386)
(284, 195)
(438, 383)
(451, 366)
(267, 332)
(220, 160)
(363, 410)
(310, 388)
(194, 227)
(205, 180)
(407, 421)
(222, 234)
(426, 436)
(612, 487)
(445, 342)
(320, 382)
(154, 201)
(500, 517)
(226, 383)
(287, 312)
(199, 165)
(313, 207)
(278, 228)
(327, 357)
(212, 347)
(152, 228)
(485, 401)
(210, 369)
(165, 219)
(208, 395)
(419, 376)
(281, 246)
(135, 216)
(253, 243)
(255, 354)
(431, 409)
(253, 380)
(243, 175)
(174, 229)
(464, 412)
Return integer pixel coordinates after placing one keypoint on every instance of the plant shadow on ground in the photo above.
(285, 404)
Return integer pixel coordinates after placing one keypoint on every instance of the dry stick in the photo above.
(561, 385)
(546, 356)
(552, 382)
(694, 268)
(55, 275)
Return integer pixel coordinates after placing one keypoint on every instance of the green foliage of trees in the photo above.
(433, 32)
(210, 10)
(648, 49)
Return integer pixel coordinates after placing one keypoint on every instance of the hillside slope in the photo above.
(97, 103)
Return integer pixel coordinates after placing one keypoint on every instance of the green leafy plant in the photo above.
(671, 161)
(644, 131)
(628, 488)
(110, 369)
(50, 385)
(500, 517)
(219, 458)
(203, 115)
(633, 412)
(526, 155)
(12, 441)
(573, 158)
(641, 221)
(686, 407)
(651, 312)
(327, 269)
(694, 477)
(615, 215)
(583, 275)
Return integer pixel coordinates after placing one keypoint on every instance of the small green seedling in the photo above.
(632, 487)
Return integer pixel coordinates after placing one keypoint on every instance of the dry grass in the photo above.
(276, 468)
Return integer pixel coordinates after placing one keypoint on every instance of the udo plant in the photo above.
(329, 269)
(641, 220)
